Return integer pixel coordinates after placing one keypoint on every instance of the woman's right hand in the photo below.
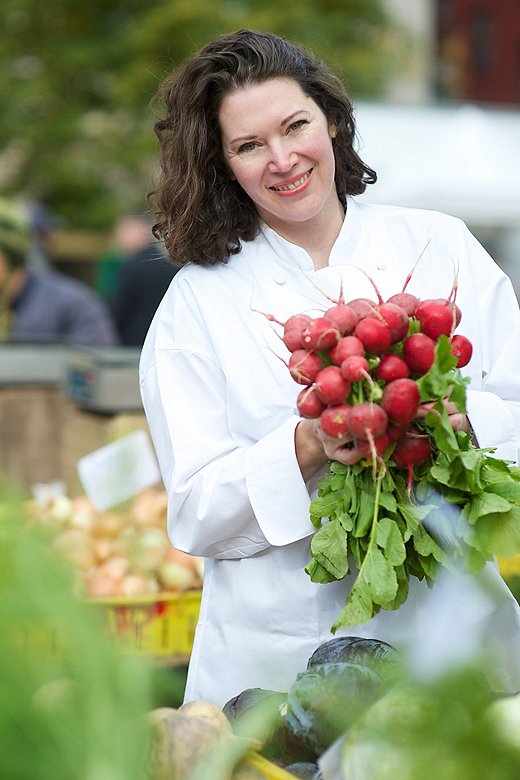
(340, 448)
(314, 448)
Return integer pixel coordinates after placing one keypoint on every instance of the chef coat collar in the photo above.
(343, 247)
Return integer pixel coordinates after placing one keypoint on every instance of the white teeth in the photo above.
(294, 185)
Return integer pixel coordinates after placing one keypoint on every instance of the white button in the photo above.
(280, 279)
(381, 266)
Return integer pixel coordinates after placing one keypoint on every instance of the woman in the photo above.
(256, 199)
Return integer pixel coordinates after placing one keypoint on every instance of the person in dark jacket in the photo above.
(49, 307)
(144, 277)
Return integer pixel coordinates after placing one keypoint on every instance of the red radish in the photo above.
(379, 445)
(355, 368)
(396, 431)
(293, 339)
(419, 353)
(367, 419)
(374, 332)
(347, 346)
(296, 322)
(343, 317)
(293, 331)
(362, 306)
(331, 386)
(335, 420)
(309, 404)
(401, 400)
(397, 320)
(320, 334)
(412, 449)
(405, 301)
(391, 367)
(304, 366)
(436, 318)
(462, 348)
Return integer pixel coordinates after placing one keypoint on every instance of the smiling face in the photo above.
(277, 143)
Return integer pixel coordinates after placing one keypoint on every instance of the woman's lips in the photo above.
(294, 184)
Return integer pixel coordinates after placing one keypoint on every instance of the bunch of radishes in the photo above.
(359, 363)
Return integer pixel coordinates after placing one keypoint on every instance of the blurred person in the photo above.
(44, 306)
(144, 276)
(43, 222)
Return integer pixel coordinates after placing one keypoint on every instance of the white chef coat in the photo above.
(220, 403)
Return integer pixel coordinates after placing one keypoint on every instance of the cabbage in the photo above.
(324, 702)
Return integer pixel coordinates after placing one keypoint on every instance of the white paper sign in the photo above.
(119, 470)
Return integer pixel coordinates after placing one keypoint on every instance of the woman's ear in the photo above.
(333, 130)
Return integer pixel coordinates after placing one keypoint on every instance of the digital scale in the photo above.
(104, 380)
(43, 365)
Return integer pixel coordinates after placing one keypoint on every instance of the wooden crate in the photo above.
(43, 434)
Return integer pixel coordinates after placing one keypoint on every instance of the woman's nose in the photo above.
(282, 158)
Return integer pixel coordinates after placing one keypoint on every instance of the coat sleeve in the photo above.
(225, 499)
(494, 398)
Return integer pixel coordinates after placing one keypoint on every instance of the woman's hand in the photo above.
(340, 448)
(314, 448)
(459, 421)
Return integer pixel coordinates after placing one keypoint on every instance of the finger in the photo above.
(450, 407)
(346, 455)
(459, 422)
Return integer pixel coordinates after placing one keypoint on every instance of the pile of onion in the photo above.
(118, 553)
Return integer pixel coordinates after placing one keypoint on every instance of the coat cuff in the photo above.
(278, 495)
(493, 423)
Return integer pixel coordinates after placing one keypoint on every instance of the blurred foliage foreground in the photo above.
(79, 717)
(81, 713)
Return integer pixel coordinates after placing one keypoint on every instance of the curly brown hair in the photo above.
(202, 213)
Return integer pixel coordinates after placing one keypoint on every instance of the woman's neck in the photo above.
(318, 235)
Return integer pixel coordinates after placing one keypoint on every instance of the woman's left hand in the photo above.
(459, 421)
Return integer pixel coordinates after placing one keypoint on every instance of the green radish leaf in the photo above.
(359, 608)
(379, 576)
(400, 596)
(355, 549)
(338, 468)
(346, 520)
(509, 490)
(388, 502)
(329, 548)
(429, 566)
(365, 513)
(337, 482)
(494, 470)
(318, 573)
(414, 514)
(425, 545)
(435, 383)
(440, 428)
(499, 533)
(474, 560)
(458, 395)
(325, 506)
(485, 504)
(389, 538)
(441, 471)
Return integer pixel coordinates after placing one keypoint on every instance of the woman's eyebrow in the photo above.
(282, 123)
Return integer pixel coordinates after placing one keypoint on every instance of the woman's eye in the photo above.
(247, 147)
(297, 125)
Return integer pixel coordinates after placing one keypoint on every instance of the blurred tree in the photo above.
(77, 130)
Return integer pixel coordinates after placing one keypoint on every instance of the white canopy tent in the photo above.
(463, 160)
